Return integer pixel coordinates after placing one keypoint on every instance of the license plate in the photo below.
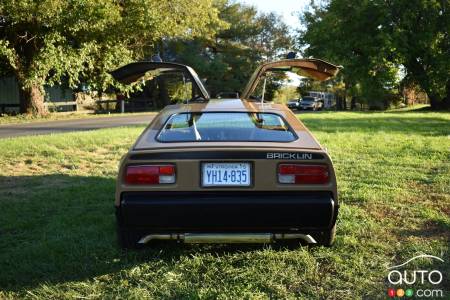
(226, 174)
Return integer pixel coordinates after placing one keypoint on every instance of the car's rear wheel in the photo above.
(128, 238)
(326, 238)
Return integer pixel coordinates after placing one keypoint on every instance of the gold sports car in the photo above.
(226, 170)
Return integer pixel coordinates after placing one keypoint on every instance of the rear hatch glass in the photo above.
(307, 99)
(226, 127)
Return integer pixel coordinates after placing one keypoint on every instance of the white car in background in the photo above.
(310, 103)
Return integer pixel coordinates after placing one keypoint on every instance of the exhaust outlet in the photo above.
(228, 238)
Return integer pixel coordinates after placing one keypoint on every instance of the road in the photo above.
(47, 127)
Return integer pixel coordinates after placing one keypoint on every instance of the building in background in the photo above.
(58, 97)
(329, 99)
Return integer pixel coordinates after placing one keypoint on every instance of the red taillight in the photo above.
(303, 174)
(150, 174)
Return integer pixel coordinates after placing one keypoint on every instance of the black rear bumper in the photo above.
(227, 211)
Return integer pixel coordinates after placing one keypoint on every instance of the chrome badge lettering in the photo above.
(284, 155)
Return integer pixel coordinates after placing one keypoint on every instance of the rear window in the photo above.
(308, 99)
(227, 127)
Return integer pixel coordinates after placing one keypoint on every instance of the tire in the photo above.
(326, 238)
(127, 238)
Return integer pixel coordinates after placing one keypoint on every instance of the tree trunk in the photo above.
(347, 87)
(163, 92)
(353, 103)
(32, 100)
(446, 100)
(421, 77)
(344, 100)
(338, 102)
(435, 102)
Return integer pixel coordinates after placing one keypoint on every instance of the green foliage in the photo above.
(228, 60)
(286, 93)
(275, 82)
(372, 39)
(308, 84)
(47, 42)
(177, 90)
(420, 30)
(53, 40)
(347, 33)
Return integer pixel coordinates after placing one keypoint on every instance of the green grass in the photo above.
(57, 236)
(415, 107)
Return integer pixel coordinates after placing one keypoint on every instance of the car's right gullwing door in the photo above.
(309, 67)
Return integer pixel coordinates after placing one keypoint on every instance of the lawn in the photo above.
(57, 237)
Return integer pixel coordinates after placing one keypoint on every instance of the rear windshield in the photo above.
(227, 127)
(307, 99)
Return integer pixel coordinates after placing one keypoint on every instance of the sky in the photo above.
(286, 8)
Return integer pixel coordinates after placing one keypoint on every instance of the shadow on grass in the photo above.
(389, 123)
(434, 229)
(59, 228)
(418, 109)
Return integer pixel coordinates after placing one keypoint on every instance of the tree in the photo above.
(372, 39)
(286, 93)
(347, 33)
(228, 59)
(420, 32)
(47, 41)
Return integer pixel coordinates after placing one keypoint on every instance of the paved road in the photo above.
(48, 127)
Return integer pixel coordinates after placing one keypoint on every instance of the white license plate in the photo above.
(226, 174)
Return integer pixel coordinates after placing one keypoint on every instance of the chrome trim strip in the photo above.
(200, 238)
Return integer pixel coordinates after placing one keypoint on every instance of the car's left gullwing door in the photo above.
(145, 70)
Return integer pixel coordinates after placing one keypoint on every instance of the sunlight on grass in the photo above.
(57, 236)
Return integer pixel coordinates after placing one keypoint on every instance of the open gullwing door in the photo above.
(309, 67)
